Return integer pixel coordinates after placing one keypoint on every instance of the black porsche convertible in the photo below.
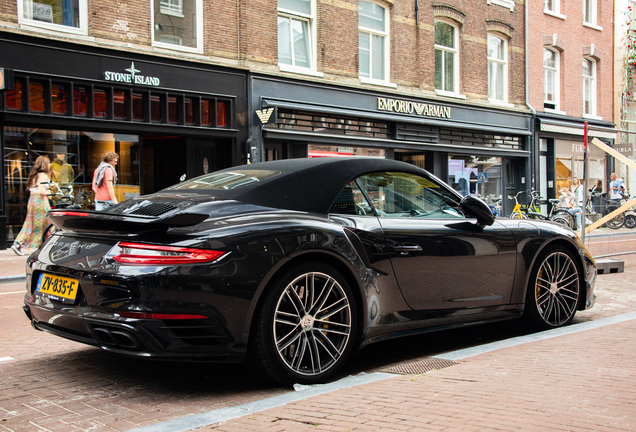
(291, 265)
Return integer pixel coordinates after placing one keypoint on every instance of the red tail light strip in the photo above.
(159, 316)
(68, 213)
(180, 255)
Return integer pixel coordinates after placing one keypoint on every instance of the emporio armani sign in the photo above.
(132, 77)
(408, 107)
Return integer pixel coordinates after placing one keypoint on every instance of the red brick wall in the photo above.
(575, 36)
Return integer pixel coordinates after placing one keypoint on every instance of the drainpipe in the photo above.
(534, 154)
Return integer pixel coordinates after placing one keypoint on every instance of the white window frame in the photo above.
(311, 20)
(503, 62)
(557, 83)
(455, 52)
(592, 20)
(198, 21)
(27, 21)
(510, 4)
(386, 34)
(556, 9)
(172, 7)
(593, 81)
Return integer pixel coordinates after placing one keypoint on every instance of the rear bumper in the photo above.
(186, 340)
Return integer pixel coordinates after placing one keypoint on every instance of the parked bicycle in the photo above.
(64, 199)
(533, 211)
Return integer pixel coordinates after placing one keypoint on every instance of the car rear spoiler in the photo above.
(94, 221)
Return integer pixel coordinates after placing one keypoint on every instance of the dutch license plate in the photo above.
(58, 288)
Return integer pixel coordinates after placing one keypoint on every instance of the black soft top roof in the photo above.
(308, 185)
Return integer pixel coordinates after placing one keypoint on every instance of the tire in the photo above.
(562, 221)
(305, 328)
(630, 221)
(553, 290)
(515, 215)
(615, 223)
(563, 217)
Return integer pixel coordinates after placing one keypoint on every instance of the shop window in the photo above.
(119, 105)
(206, 115)
(221, 114)
(189, 111)
(472, 175)
(36, 96)
(155, 109)
(68, 16)
(446, 58)
(80, 101)
(100, 103)
(173, 110)
(58, 98)
(373, 44)
(138, 107)
(13, 98)
(178, 24)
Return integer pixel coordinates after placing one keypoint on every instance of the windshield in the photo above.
(225, 180)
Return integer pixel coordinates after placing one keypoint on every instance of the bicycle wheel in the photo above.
(518, 215)
(630, 221)
(563, 217)
(615, 223)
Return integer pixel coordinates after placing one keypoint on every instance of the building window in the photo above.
(172, 7)
(446, 58)
(373, 40)
(589, 87)
(497, 69)
(68, 16)
(589, 12)
(295, 34)
(553, 6)
(551, 79)
(178, 24)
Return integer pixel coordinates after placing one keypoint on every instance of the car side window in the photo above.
(396, 194)
(351, 201)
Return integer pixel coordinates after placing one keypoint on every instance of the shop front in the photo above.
(478, 151)
(561, 154)
(165, 119)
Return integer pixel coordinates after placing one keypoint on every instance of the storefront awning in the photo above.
(572, 129)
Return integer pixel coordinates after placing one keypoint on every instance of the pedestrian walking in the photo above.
(30, 236)
(104, 179)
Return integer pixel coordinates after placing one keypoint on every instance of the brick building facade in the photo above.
(441, 85)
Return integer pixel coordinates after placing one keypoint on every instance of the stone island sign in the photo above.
(408, 107)
(132, 77)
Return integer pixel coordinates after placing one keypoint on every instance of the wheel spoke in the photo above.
(344, 304)
(296, 301)
(324, 295)
(557, 289)
(314, 352)
(296, 332)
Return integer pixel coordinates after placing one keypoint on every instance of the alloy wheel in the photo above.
(557, 289)
(312, 323)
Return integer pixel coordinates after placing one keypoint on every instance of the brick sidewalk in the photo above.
(584, 381)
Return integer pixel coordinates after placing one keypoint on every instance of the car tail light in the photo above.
(69, 213)
(146, 254)
(160, 316)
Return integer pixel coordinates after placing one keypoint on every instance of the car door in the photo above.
(441, 258)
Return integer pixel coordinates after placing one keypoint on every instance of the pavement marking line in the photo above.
(548, 334)
(223, 414)
(12, 292)
(4, 359)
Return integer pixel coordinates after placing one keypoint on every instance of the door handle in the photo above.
(406, 249)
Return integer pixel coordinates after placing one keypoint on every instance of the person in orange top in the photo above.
(104, 180)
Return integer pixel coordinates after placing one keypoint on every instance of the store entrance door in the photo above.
(164, 161)
(514, 181)
(207, 155)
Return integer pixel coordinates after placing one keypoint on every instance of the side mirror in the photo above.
(476, 207)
